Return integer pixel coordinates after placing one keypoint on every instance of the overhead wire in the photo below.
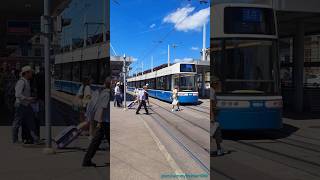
(165, 36)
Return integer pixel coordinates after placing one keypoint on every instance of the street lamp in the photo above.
(124, 81)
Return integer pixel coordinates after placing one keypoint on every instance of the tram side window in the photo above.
(160, 83)
(176, 81)
(104, 69)
(85, 70)
(94, 71)
(90, 69)
(57, 71)
(76, 71)
(67, 71)
(167, 83)
(152, 84)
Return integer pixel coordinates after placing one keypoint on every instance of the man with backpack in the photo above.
(24, 115)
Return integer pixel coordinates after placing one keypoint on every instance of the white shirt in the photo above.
(22, 92)
(175, 94)
(142, 95)
(98, 107)
(117, 90)
(85, 92)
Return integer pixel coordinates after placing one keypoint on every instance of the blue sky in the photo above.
(144, 28)
(82, 11)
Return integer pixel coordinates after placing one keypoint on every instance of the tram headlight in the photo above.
(233, 104)
(274, 104)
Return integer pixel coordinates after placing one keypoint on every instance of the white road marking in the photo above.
(164, 151)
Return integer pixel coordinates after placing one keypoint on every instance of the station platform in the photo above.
(136, 153)
(28, 162)
(65, 164)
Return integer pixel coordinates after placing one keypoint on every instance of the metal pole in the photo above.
(204, 42)
(142, 67)
(104, 21)
(47, 75)
(151, 63)
(124, 82)
(168, 55)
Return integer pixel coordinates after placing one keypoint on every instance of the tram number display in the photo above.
(249, 20)
(251, 15)
(187, 68)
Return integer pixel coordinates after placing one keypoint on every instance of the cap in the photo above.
(26, 69)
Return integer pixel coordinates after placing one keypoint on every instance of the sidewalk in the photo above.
(20, 162)
(135, 154)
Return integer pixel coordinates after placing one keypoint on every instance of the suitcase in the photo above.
(130, 105)
(64, 138)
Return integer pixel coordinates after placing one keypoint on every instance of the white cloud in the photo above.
(152, 26)
(183, 60)
(185, 19)
(194, 48)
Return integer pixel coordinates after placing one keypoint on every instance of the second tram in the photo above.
(245, 66)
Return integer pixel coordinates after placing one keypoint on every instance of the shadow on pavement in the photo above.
(286, 131)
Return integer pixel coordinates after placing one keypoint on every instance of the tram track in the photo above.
(182, 132)
(212, 170)
(195, 109)
(295, 162)
(181, 117)
(283, 162)
(188, 150)
(283, 132)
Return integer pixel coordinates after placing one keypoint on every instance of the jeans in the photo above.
(24, 116)
(117, 100)
(142, 103)
(103, 131)
(217, 134)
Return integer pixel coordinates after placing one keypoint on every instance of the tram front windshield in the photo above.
(185, 82)
(246, 66)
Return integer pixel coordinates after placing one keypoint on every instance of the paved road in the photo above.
(291, 153)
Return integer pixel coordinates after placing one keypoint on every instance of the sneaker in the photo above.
(137, 113)
(220, 152)
(172, 110)
(39, 142)
(27, 142)
(88, 164)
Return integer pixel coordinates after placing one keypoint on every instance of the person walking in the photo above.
(175, 101)
(117, 95)
(24, 115)
(100, 114)
(85, 94)
(215, 130)
(147, 95)
(142, 100)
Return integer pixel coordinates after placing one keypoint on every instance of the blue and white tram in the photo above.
(162, 82)
(245, 66)
(71, 68)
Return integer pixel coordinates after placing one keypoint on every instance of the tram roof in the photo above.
(289, 12)
(173, 69)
